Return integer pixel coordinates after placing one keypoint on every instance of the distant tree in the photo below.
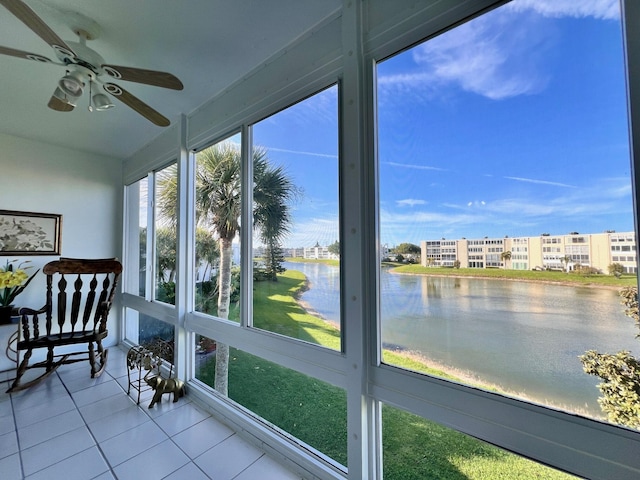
(565, 262)
(334, 248)
(616, 269)
(456, 264)
(430, 261)
(620, 373)
(273, 262)
(407, 248)
(400, 258)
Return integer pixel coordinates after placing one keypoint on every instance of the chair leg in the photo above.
(97, 367)
(49, 359)
(50, 368)
(20, 370)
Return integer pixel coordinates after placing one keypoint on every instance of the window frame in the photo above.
(563, 441)
(357, 36)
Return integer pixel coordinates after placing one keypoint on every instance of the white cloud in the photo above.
(602, 9)
(540, 182)
(413, 166)
(410, 202)
(298, 152)
(608, 201)
(498, 55)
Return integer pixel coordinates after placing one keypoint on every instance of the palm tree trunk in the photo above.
(221, 381)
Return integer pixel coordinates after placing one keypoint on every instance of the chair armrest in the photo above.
(33, 331)
(31, 311)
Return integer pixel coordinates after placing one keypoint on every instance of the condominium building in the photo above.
(319, 252)
(555, 252)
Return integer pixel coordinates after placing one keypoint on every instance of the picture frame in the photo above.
(30, 233)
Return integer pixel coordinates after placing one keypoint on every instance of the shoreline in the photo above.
(462, 377)
(459, 376)
(393, 271)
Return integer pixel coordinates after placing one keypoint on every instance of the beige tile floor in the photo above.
(74, 427)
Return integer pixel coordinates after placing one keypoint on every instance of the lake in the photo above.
(523, 337)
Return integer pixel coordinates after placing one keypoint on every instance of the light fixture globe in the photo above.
(72, 83)
(101, 102)
(64, 98)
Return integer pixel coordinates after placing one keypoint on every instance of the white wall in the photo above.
(85, 188)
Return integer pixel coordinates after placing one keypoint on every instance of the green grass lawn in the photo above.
(528, 275)
(315, 412)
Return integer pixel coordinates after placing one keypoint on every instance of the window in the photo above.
(165, 234)
(471, 123)
(311, 410)
(137, 217)
(417, 448)
(151, 254)
(218, 203)
(296, 241)
(476, 156)
(143, 329)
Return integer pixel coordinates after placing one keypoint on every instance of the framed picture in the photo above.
(28, 233)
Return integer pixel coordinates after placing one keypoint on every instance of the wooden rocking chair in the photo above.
(85, 322)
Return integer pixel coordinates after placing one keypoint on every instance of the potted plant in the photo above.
(12, 282)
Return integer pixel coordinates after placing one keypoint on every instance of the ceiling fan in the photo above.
(85, 68)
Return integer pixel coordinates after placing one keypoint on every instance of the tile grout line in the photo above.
(153, 419)
(169, 437)
(248, 466)
(95, 440)
(15, 431)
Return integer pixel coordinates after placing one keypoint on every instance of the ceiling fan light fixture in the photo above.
(72, 84)
(63, 97)
(101, 102)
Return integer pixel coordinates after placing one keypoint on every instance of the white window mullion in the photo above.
(185, 252)
(151, 247)
(354, 255)
(246, 229)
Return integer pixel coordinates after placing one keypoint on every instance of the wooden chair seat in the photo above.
(74, 317)
(68, 338)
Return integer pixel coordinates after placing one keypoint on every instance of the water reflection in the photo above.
(524, 337)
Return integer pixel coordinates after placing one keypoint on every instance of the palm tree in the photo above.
(218, 205)
(271, 193)
(504, 256)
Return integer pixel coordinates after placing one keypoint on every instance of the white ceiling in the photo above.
(207, 44)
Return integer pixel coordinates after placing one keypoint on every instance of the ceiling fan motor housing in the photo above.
(81, 55)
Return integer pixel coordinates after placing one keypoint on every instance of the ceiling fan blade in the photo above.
(24, 13)
(56, 104)
(148, 77)
(21, 54)
(137, 105)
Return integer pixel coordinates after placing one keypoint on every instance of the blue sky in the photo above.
(511, 124)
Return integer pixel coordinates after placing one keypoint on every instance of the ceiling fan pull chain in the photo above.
(90, 96)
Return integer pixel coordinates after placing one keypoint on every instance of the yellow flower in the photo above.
(13, 282)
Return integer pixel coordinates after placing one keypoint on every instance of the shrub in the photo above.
(616, 269)
(620, 373)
